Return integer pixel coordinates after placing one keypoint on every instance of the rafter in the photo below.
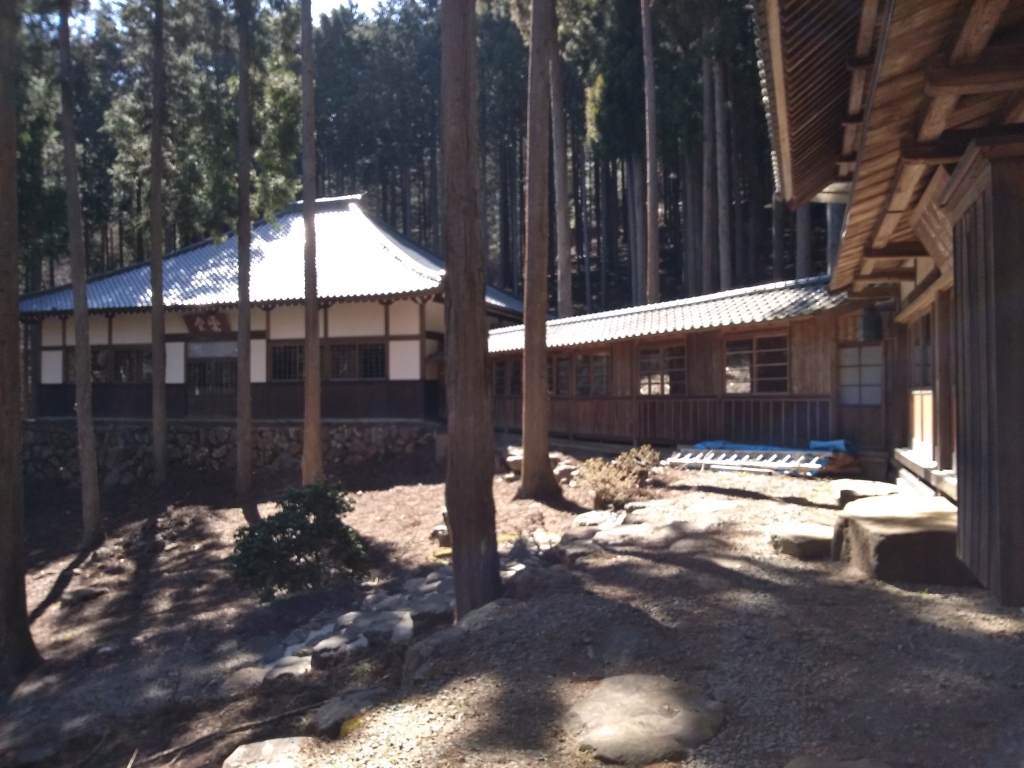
(907, 250)
(891, 275)
(974, 78)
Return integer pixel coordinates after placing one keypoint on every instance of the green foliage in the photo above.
(304, 546)
(619, 481)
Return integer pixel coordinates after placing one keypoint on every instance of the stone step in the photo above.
(804, 541)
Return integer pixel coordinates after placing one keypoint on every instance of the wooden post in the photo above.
(944, 373)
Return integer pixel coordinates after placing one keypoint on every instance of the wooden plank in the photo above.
(932, 225)
(923, 302)
(909, 250)
(973, 79)
(890, 275)
(781, 104)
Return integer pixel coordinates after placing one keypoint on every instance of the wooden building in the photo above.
(916, 109)
(778, 364)
(382, 326)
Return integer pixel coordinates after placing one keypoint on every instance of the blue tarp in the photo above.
(836, 446)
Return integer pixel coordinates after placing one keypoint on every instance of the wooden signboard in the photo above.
(208, 325)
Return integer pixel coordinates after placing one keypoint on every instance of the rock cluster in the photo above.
(124, 451)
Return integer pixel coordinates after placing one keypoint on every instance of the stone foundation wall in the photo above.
(124, 448)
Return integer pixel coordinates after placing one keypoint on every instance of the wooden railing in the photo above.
(781, 420)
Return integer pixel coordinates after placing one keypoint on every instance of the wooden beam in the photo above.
(937, 153)
(892, 275)
(977, 30)
(911, 250)
(866, 33)
(773, 13)
(876, 293)
(973, 78)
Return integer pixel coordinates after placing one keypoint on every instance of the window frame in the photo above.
(860, 385)
(756, 365)
(327, 358)
(664, 374)
(588, 358)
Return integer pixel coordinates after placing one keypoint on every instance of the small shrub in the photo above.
(616, 482)
(304, 546)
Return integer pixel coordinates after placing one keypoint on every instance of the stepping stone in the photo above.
(329, 718)
(377, 626)
(275, 753)
(846, 490)
(290, 665)
(903, 537)
(641, 535)
(804, 541)
(242, 680)
(825, 762)
(643, 719)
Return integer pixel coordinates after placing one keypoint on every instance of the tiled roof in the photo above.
(762, 303)
(357, 259)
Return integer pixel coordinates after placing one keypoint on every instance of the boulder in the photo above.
(597, 518)
(420, 657)
(431, 610)
(641, 534)
(333, 649)
(902, 537)
(485, 615)
(329, 718)
(643, 719)
(274, 753)
(377, 626)
(290, 665)
(804, 541)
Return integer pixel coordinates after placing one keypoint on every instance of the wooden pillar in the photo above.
(984, 199)
(803, 241)
(942, 340)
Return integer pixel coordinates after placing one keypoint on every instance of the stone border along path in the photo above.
(628, 719)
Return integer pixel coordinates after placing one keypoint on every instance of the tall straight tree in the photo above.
(92, 523)
(538, 481)
(312, 451)
(243, 467)
(708, 191)
(18, 654)
(468, 487)
(156, 249)
(653, 249)
(722, 163)
(563, 233)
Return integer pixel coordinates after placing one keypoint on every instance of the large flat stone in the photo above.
(805, 541)
(903, 537)
(643, 719)
(274, 753)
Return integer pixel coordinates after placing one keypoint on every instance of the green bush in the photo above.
(304, 546)
(616, 482)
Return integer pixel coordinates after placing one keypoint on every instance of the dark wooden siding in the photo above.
(989, 296)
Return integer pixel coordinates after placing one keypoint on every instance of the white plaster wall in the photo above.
(258, 320)
(174, 322)
(290, 322)
(435, 316)
(403, 360)
(175, 362)
(133, 329)
(52, 334)
(363, 318)
(97, 331)
(405, 319)
(258, 361)
(232, 318)
(51, 367)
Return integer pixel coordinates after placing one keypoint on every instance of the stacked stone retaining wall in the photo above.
(124, 449)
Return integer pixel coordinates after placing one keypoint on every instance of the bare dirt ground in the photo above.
(808, 657)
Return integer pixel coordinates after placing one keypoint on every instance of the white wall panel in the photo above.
(175, 362)
(97, 331)
(134, 329)
(258, 361)
(405, 319)
(363, 318)
(403, 360)
(435, 316)
(52, 334)
(51, 367)
(174, 322)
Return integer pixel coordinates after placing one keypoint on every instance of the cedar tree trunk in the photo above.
(156, 250)
(563, 233)
(722, 154)
(243, 476)
(312, 451)
(538, 481)
(92, 523)
(708, 191)
(653, 250)
(468, 487)
(18, 654)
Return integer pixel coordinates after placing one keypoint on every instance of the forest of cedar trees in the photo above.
(377, 93)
